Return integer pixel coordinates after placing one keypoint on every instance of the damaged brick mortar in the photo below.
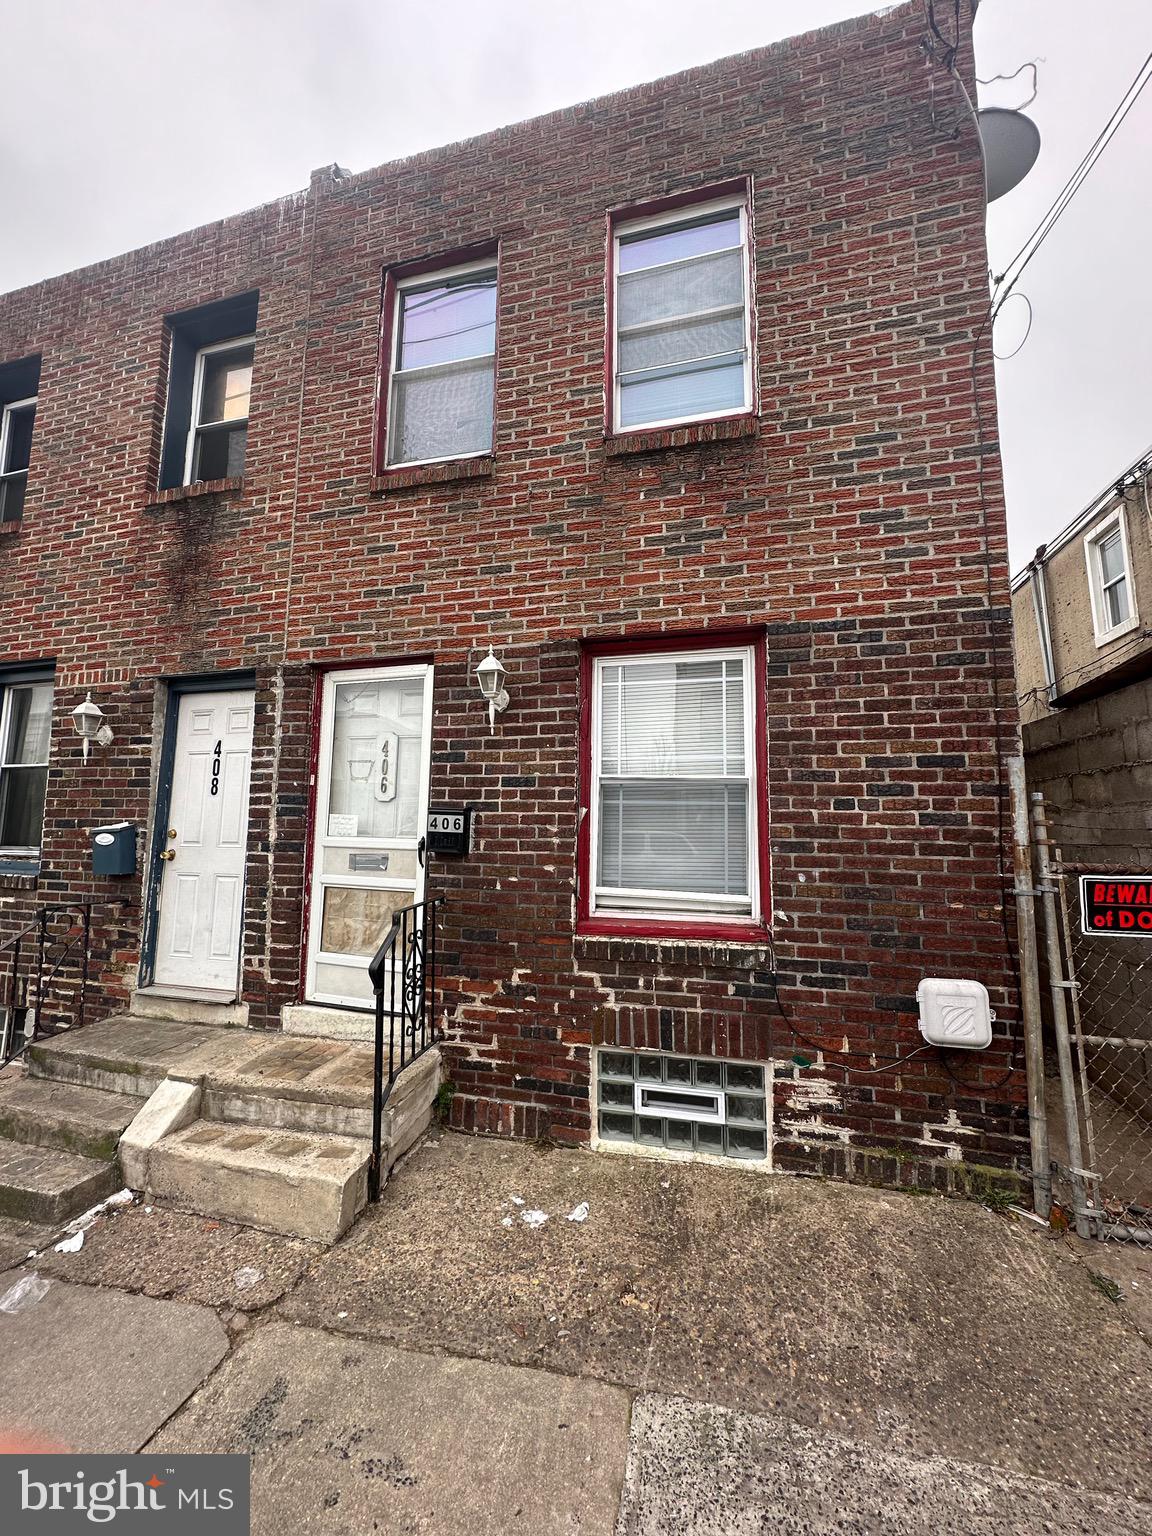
(818, 1104)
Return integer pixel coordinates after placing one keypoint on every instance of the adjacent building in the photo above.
(1082, 616)
(668, 402)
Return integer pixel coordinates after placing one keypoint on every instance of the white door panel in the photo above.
(202, 884)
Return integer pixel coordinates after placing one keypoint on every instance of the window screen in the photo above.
(219, 436)
(443, 367)
(25, 735)
(16, 421)
(681, 320)
(674, 755)
(1113, 579)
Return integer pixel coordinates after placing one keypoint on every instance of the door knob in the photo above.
(169, 853)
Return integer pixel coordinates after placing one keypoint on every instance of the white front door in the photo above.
(205, 842)
(371, 813)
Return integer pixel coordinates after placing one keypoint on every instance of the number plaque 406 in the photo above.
(449, 831)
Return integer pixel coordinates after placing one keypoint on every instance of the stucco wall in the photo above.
(1077, 659)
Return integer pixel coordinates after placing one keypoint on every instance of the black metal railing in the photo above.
(35, 974)
(403, 976)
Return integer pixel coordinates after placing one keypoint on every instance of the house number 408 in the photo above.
(215, 789)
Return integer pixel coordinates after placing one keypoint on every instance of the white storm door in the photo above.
(371, 814)
(205, 843)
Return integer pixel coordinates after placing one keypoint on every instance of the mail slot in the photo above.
(114, 849)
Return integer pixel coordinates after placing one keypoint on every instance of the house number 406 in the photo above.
(215, 789)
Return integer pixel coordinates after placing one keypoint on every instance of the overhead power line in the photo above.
(1004, 284)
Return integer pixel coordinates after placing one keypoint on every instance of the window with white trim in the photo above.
(25, 737)
(442, 368)
(673, 802)
(211, 357)
(16, 420)
(221, 392)
(682, 334)
(1109, 580)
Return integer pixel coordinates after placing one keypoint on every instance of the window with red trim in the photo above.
(441, 361)
(674, 831)
(681, 342)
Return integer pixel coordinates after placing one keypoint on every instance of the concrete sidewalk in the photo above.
(703, 1349)
(934, 1325)
(98, 1370)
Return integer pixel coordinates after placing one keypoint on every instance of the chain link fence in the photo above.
(1099, 1080)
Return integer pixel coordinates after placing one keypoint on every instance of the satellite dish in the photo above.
(1011, 143)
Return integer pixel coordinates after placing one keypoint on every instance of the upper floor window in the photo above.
(681, 346)
(210, 362)
(15, 454)
(19, 383)
(219, 432)
(675, 829)
(442, 365)
(25, 736)
(1109, 581)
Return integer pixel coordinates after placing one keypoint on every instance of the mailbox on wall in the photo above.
(449, 831)
(114, 849)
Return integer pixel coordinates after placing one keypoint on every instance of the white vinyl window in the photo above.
(16, 420)
(682, 344)
(443, 366)
(25, 737)
(673, 803)
(221, 395)
(1109, 580)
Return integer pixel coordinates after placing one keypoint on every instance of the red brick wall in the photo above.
(848, 524)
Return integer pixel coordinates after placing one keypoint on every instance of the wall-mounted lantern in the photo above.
(88, 719)
(490, 675)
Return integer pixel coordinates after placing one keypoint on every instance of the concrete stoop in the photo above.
(41, 1185)
(285, 1181)
(262, 1129)
(58, 1146)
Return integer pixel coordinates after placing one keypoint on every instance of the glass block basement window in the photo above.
(683, 1104)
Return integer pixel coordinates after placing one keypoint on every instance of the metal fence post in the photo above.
(1030, 987)
(1058, 984)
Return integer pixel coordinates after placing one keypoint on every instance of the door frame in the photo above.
(326, 681)
(175, 689)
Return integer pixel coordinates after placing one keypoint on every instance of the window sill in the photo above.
(742, 950)
(400, 479)
(13, 525)
(19, 874)
(653, 439)
(1126, 628)
(196, 489)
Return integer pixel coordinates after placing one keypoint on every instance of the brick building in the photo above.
(668, 400)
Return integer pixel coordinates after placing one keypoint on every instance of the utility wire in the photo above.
(1068, 191)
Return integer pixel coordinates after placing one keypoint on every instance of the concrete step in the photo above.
(41, 1184)
(297, 1086)
(283, 1181)
(124, 1054)
(41, 1112)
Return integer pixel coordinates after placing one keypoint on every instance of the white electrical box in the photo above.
(954, 1013)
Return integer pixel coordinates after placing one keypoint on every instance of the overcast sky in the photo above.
(122, 121)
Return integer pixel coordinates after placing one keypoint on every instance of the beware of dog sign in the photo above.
(1116, 906)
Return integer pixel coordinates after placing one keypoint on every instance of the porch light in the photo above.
(490, 674)
(88, 720)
